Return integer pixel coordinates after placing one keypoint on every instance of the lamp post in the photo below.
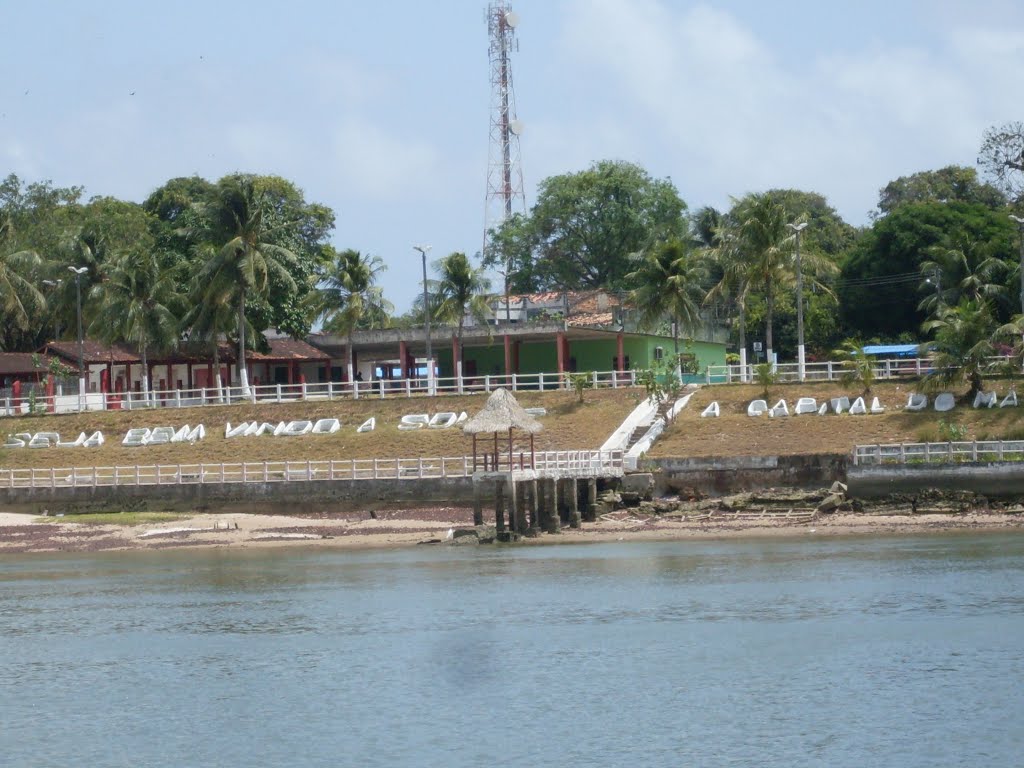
(800, 359)
(78, 272)
(426, 313)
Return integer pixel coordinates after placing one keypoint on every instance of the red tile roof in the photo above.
(21, 364)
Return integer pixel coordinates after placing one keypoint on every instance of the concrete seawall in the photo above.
(303, 497)
(717, 476)
(988, 479)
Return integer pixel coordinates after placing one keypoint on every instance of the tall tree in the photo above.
(139, 304)
(1002, 157)
(734, 272)
(877, 288)
(19, 297)
(461, 290)
(667, 282)
(768, 245)
(240, 258)
(961, 268)
(954, 183)
(348, 297)
(962, 344)
(584, 225)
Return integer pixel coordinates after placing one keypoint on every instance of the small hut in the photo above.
(501, 416)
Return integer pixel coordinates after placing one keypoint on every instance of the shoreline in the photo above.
(30, 535)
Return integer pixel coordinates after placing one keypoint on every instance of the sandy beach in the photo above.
(29, 534)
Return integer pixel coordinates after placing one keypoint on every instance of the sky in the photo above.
(380, 110)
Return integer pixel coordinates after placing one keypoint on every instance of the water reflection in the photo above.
(650, 654)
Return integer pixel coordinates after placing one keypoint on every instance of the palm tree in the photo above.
(461, 290)
(204, 324)
(241, 257)
(347, 298)
(18, 295)
(138, 304)
(734, 283)
(962, 344)
(668, 282)
(957, 269)
(767, 243)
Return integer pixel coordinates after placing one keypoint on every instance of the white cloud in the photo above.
(717, 107)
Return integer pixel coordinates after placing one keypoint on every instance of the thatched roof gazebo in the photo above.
(502, 414)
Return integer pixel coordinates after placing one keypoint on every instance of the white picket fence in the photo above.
(831, 370)
(283, 393)
(546, 463)
(941, 453)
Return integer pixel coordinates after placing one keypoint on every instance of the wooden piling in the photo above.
(499, 508)
(549, 510)
(572, 503)
(589, 507)
(478, 503)
(530, 489)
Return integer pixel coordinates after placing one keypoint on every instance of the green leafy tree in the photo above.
(960, 268)
(19, 296)
(139, 304)
(460, 291)
(585, 224)
(733, 284)
(954, 183)
(580, 383)
(348, 297)
(877, 287)
(240, 259)
(858, 366)
(766, 377)
(767, 245)
(962, 344)
(668, 282)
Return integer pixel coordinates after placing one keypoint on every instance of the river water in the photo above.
(774, 653)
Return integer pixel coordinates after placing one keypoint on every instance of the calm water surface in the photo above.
(860, 652)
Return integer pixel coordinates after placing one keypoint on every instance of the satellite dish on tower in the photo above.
(517, 127)
(511, 19)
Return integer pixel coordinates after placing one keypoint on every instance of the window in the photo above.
(659, 353)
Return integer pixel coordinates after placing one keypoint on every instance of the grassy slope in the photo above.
(568, 426)
(736, 434)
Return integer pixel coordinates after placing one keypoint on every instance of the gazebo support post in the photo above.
(499, 508)
(478, 501)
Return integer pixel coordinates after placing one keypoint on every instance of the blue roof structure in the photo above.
(894, 350)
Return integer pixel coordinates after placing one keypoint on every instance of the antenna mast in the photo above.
(504, 173)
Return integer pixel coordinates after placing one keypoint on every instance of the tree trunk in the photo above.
(675, 345)
(243, 374)
(351, 359)
(743, 340)
(769, 311)
(216, 374)
(145, 374)
(458, 345)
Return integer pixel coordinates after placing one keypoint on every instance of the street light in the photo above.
(426, 309)
(798, 228)
(78, 272)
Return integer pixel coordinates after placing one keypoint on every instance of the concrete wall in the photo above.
(991, 480)
(305, 497)
(745, 473)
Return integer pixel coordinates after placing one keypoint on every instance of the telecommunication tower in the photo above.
(504, 173)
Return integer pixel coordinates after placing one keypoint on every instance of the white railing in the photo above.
(830, 370)
(939, 453)
(286, 393)
(571, 463)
